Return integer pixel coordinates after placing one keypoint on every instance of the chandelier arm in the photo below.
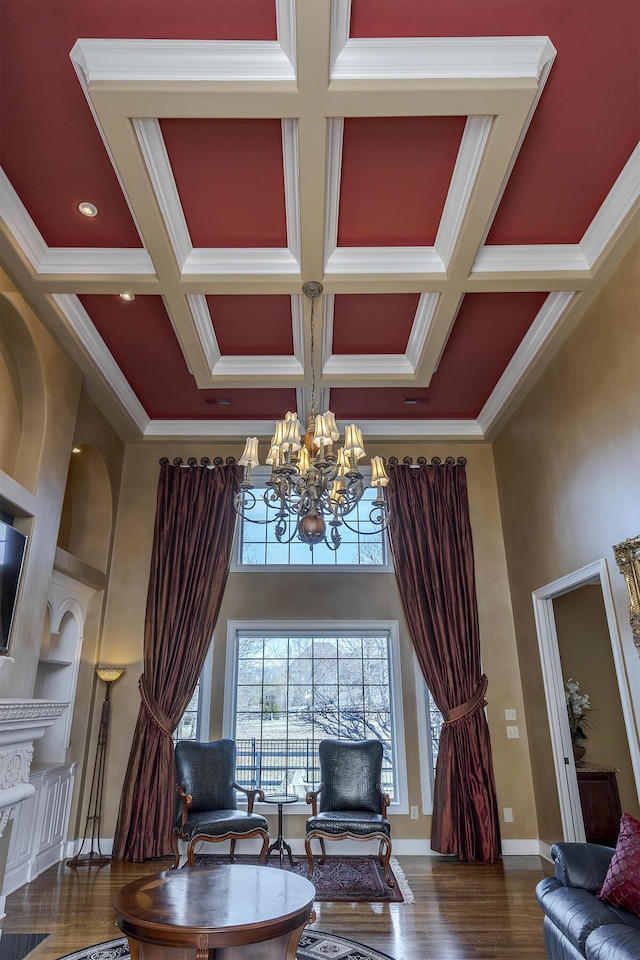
(378, 515)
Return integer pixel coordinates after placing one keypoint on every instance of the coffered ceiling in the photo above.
(461, 176)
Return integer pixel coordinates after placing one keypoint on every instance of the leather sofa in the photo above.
(576, 924)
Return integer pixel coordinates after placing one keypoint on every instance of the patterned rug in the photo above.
(314, 945)
(338, 879)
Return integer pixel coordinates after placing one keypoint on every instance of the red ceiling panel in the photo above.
(395, 177)
(252, 325)
(373, 323)
(163, 384)
(230, 178)
(50, 147)
(583, 130)
(487, 331)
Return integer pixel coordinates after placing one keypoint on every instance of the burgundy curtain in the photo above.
(189, 565)
(433, 552)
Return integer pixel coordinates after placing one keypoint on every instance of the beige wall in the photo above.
(356, 596)
(44, 413)
(568, 469)
(45, 388)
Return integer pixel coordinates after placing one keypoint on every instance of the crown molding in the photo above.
(530, 258)
(66, 261)
(208, 429)
(442, 58)
(214, 261)
(205, 328)
(156, 159)
(532, 344)
(340, 25)
(396, 260)
(422, 321)
(291, 168)
(465, 172)
(343, 365)
(335, 134)
(421, 429)
(258, 367)
(378, 430)
(286, 29)
(24, 230)
(297, 327)
(196, 61)
(79, 322)
(617, 205)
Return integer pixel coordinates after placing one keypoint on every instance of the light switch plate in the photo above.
(510, 714)
(507, 814)
(513, 733)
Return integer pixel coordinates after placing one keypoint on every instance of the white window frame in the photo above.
(259, 476)
(427, 771)
(399, 804)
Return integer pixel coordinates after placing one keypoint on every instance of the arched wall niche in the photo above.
(21, 396)
(87, 512)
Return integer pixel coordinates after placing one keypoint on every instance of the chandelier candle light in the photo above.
(309, 483)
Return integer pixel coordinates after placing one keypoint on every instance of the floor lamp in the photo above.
(95, 855)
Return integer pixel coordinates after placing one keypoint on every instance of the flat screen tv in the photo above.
(13, 545)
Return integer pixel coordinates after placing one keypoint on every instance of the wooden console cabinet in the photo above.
(600, 802)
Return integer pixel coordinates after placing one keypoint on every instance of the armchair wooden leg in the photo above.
(307, 847)
(324, 851)
(384, 860)
(176, 851)
(191, 856)
(262, 859)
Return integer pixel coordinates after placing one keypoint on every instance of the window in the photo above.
(195, 720)
(187, 729)
(289, 686)
(257, 545)
(430, 723)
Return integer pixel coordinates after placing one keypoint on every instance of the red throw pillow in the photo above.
(621, 887)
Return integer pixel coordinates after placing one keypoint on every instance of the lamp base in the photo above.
(89, 860)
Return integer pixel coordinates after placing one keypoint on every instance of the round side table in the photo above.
(280, 844)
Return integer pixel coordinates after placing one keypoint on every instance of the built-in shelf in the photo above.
(59, 661)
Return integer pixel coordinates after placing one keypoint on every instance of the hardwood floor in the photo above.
(461, 911)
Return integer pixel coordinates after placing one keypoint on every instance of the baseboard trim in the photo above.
(401, 848)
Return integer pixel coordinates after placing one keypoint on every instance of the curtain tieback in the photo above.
(464, 709)
(154, 711)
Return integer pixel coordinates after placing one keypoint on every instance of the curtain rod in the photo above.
(393, 461)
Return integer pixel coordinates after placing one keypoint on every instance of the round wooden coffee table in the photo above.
(238, 912)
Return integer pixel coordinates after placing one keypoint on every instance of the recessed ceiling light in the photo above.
(128, 297)
(76, 450)
(88, 209)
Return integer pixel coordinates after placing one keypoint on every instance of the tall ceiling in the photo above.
(461, 176)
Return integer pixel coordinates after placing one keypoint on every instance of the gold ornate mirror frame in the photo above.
(627, 555)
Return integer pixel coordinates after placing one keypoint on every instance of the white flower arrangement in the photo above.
(577, 706)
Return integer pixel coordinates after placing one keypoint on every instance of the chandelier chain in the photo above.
(312, 353)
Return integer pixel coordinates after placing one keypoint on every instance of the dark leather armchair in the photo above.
(207, 807)
(352, 803)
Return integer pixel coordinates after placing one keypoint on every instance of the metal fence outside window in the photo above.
(271, 764)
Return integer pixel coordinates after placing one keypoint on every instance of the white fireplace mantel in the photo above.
(21, 723)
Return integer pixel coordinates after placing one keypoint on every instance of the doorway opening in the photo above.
(579, 639)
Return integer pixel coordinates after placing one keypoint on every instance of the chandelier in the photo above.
(312, 488)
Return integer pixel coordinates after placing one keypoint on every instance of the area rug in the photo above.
(314, 945)
(16, 946)
(338, 879)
